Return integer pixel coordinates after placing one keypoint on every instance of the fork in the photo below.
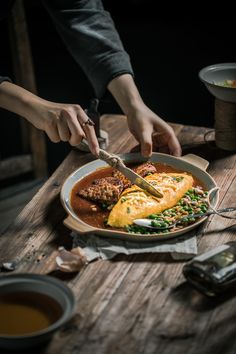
(150, 223)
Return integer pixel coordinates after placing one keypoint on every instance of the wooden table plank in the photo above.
(131, 304)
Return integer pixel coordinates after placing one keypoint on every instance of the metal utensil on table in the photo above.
(116, 162)
(149, 223)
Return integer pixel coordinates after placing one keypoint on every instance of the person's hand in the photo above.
(152, 132)
(61, 122)
(65, 122)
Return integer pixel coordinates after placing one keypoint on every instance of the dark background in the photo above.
(167, 51)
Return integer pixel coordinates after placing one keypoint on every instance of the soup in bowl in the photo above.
(32, 308)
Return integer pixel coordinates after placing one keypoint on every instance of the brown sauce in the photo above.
(83, 207)
(27, 312)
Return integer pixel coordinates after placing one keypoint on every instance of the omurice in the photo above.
(105, 199)
(136, 203)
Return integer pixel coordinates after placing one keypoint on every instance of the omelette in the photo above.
(136, 203)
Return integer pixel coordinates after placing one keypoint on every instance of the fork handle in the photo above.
(207, 213)
(225, 210)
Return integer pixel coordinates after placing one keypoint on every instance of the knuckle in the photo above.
(66, 114)
(51, 121)
(74, 109)
(77, 108)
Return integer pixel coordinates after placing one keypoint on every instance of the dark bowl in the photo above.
(45, 286)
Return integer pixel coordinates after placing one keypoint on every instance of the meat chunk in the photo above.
(125, 181)
(108, 189)
(143, 170)
(103, 190)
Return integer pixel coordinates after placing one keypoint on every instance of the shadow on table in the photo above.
(53, 218)
(188, 295)
(220, 330)
(40, 349)
(208, 151)
(147, 257)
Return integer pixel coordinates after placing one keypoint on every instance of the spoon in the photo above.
(150, 222)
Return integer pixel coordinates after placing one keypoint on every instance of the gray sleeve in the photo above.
(90, 35)
(4, 78)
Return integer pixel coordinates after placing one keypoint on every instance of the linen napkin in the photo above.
(181, 247)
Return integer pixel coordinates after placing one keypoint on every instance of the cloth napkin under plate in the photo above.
(181, 247)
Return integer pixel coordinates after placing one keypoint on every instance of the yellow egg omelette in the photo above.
(136, 203)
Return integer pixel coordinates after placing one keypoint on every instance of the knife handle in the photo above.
(110, 159)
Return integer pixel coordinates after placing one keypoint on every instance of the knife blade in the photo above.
(116, 162)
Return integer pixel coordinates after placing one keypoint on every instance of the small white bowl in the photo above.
(213, 75)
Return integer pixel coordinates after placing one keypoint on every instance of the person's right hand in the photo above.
(61, 122)
(65, 122)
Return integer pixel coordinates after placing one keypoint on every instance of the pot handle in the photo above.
(78, 226)
(196, 161)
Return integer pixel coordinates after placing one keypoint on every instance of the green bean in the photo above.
(153, 216)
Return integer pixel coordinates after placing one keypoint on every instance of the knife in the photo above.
(116, 162)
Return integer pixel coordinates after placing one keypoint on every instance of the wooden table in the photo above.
(132, 304)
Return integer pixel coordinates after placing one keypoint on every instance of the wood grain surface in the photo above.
(131, 304)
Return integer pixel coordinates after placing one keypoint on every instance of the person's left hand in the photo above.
(152, 132)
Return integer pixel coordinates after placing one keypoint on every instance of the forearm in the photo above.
(125, 92)
(60, 121)
(18, 100)
(91, 37)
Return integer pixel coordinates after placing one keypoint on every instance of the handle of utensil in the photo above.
(196, 161)
(78, 226)
(111, 159)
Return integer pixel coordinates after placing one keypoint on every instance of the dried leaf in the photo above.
(9, 266)
(71, 261)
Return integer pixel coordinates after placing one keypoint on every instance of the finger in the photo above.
(170, 145)
(53, 134)
(76, 132)
(90, 134)
(63, 129)
(164, 150)
(174, 146)
(92, 139)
